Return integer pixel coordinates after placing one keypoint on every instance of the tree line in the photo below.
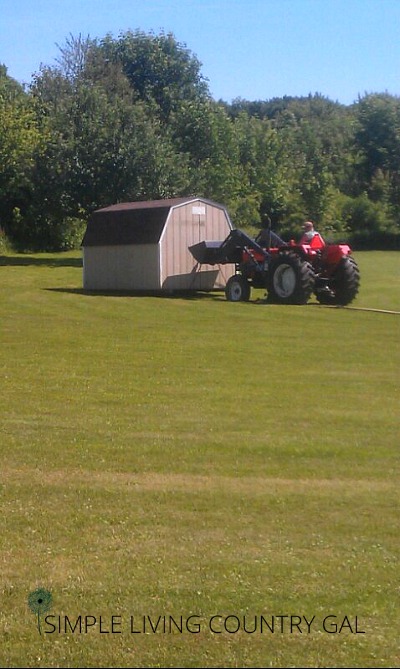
(132, 118)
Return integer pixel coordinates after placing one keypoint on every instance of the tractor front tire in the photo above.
(291, 280)
(344, 284)
(237, 289)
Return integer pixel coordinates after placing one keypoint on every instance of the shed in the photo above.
(144, 246)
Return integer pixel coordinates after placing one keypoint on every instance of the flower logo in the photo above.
(39, 601)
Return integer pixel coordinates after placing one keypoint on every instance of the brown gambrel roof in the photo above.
(131, 222)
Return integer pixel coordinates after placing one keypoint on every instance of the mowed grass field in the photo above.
(230, 467)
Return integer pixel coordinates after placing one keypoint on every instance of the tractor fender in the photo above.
(333, 253)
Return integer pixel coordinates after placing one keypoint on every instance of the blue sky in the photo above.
(253, 49)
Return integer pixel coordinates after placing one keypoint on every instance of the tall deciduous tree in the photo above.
(159, 68)
(377, 140)
(19, 139)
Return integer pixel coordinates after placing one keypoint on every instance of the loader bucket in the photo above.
(206, 253)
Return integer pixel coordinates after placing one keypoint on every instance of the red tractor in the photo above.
(289, 272)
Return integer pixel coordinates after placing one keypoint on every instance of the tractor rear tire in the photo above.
(291, 280)
(237, 289)
(345, 284)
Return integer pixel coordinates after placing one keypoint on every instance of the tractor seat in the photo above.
(317, 242)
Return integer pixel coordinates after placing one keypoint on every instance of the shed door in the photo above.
(206, 275)
(199, 232)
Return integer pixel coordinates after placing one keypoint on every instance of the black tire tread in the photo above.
(305, 282)
(245, 286)
(345, 284)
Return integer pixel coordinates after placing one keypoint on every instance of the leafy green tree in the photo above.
(377, 135)
(19, 139)
(159, 68)
(377, 141)
(263, 160)
(206, 139)
(102, 145)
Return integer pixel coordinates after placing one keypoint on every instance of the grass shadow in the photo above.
(186, 295)
(29, 260)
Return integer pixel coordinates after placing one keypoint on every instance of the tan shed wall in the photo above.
(187, 225)
(121, 267)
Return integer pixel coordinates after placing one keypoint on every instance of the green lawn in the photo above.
(175, 459)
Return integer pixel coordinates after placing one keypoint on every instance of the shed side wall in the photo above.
(121, 267)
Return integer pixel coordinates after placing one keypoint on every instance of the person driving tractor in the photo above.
(311, 236)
